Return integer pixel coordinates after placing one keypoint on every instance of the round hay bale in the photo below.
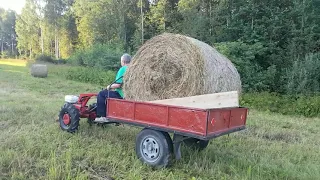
(172, 66)
(39, 70)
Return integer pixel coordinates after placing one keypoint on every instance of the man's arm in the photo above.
(119, 80)
(114, 86)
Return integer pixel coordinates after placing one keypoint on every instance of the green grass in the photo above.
(32, 146)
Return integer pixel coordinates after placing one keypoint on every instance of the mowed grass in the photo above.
(13, 62)
(32, 146)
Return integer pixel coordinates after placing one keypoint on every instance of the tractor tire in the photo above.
(196, 143)
(69, 118)
(92, 107)
(153, 148)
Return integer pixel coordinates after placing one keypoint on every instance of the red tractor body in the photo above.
(83, 108)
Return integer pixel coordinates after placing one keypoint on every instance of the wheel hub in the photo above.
(66, 119)
(150, 149)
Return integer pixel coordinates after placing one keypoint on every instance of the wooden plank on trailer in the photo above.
(206, 101)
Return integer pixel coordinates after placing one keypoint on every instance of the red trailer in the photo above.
(154, 145)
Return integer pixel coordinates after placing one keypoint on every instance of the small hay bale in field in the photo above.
(171, 66)
(39, 70)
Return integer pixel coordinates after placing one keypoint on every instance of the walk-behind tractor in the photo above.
(154, 145)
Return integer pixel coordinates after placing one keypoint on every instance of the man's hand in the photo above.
(113, 86)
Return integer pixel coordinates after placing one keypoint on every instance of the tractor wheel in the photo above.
(153, 148)
(196, 143)
(90, 121)
(69, 118)
(92, 108)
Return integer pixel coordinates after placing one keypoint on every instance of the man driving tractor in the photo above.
(112, 91)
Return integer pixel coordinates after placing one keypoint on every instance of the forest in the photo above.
(274, 44)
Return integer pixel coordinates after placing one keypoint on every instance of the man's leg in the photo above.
(112, 94)
(102, 104)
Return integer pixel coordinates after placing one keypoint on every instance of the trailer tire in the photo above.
(169, 140)
(196, 143)
(153, 148)
(69, 118)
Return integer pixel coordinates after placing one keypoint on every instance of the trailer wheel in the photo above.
(196, 143)
(153, 148)
(169, 140)
(69, 118)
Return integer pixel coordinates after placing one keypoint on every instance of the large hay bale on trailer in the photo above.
(39, 70)
(171, 66)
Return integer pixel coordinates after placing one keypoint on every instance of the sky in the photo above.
(15, 5)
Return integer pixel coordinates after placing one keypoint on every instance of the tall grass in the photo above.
(300, 105)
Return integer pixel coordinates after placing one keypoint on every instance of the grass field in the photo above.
(33, 147)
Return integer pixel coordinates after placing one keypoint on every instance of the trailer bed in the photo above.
(201, 123)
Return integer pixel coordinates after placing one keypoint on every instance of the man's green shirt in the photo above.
(120, 73)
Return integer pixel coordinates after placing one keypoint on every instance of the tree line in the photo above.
(8, 35)
(274, 44)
